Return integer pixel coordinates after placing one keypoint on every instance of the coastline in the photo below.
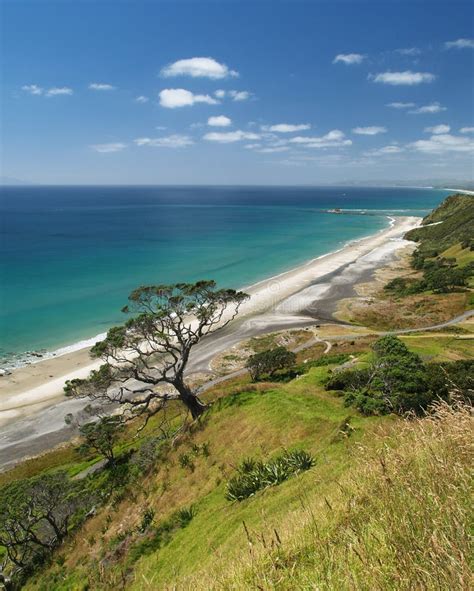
(30, 358)
(32, 403)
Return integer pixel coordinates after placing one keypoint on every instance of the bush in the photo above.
(398, 381)
(253, 475)
(269, 362)
(101, 436)
(445, 279)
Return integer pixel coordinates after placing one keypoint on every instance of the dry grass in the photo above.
(400, 522)
(385, 312)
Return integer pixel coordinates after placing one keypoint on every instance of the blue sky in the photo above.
(237, 92)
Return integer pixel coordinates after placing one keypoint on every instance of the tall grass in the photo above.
(399, 522)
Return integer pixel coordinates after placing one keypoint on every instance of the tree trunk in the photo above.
(190, 400)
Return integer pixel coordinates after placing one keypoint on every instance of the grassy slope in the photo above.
(287, 525)
(456, 215)
(258, 424)
(399, 523)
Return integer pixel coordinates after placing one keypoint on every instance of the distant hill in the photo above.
(453, 222)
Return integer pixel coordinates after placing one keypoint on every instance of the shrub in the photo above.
(253, 475)
(101, 436)
(185, 461)
(398, 381)
(147, 520)
(269, 362)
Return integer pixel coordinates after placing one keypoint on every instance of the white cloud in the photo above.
(407, 78)
(460, 44)
(436, 129)
(101, 86)
(271, 150)
(228, 137)
(333, 139)
(430, 109)
(443, 143)
(286, 127)
(235, 95)
(57, 91)
(172, 98)
(142, 99)
(171, 141)
(400, 105)
(386, 150)
(32, 89)
(349, 58)
(198, 67)
(410, 51)
(239, 95)
(372, 130)
(467, 130)
(107, 148)
(219, 121)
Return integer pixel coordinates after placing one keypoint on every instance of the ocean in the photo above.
(71, 255)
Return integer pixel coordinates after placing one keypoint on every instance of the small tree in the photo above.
(269, 362)
(35, 516)
(152, 349)
(101, 436)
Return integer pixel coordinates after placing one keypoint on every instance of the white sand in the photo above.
(40, 385)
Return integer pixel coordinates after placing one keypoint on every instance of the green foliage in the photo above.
(147, 520)
(440, 276)
(398, 381)
(162, 534)
(253, 475)
(101, 436)
(401, 286)
(395, 381)
(456, 215)
(186, 460)
(456, 377)
(268, 363)
(35, 517)
(444, 280)
(453, 221)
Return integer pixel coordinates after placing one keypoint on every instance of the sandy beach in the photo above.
(32, 404)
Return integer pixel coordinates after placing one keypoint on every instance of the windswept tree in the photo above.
(146, 358)
(35, 516)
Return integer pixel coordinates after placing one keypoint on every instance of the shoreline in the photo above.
(41, 356)
(32, 404)
(35, 357)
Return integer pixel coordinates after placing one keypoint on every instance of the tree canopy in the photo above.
(152, 348)
(269, 362)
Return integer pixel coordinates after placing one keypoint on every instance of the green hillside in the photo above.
(163, 520)
(454, 222)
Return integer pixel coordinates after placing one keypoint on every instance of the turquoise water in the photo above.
(70, 256)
